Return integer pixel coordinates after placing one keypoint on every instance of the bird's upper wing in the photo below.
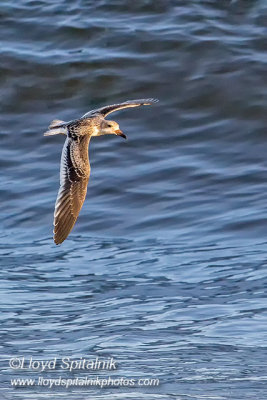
(74, 176)
(115, 107)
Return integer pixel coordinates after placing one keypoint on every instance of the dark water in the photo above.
(165, 269)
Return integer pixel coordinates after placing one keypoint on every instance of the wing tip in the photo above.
(151, 101)
(59, 237)
(143, 102)
(57, 242)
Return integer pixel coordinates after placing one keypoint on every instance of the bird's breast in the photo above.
(95, 131)
(79, 155)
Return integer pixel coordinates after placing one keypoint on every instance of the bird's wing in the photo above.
(104, 111)
(74, 177)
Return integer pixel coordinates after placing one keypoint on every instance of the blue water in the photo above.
(165, 268)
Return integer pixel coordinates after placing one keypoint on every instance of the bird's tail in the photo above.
(56, 127)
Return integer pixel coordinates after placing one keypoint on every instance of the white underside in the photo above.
(95, 131)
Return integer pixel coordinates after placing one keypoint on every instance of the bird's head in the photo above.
(110, 128)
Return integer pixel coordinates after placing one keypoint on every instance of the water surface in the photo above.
(165, 268)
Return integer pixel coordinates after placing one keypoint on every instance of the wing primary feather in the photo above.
(115, 107)
(74, 176)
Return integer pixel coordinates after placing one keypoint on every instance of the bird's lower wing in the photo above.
(115, 107)
(72, 191)
(68, 205)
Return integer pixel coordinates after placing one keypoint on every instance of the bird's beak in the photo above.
(120, 133)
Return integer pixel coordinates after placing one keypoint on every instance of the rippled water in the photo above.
(165, 268)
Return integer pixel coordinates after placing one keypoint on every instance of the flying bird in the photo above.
(75, 166)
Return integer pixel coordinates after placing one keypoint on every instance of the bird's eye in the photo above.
(109, 125)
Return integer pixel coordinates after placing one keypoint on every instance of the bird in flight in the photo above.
(75, 166)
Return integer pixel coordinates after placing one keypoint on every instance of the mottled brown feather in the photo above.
(74, 177)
